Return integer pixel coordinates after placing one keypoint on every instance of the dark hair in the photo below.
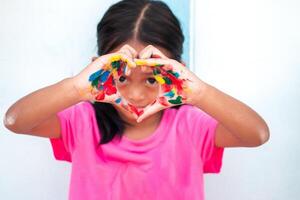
(147, 21)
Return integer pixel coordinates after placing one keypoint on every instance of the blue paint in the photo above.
(170, 94)
(104, 76)
(118, 100)
(95, 75)
(176, 74)
(124, 69)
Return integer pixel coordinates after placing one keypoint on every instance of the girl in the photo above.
(136, 123)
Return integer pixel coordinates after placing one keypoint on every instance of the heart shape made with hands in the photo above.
(171, 84)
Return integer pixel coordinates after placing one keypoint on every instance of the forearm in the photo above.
(234, 115)
(37, 106)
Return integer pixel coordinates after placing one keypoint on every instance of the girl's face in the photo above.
(139, 88)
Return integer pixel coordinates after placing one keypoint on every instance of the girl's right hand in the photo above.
(96, 81)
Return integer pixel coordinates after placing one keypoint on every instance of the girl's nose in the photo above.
(136, 96)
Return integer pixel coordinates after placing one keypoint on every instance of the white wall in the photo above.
(250, 50)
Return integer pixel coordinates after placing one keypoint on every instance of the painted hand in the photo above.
(96, 82)
(178, 84)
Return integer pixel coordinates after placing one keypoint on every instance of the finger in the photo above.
(150, 110)
(143, 64)
(166, 64)
(127, 71)
(109, 58)
(114, 99)
(129, 50)
(133, 52)
(127, 53)
(150, 51)
(130, 53)
(152, 61)
(124, 105)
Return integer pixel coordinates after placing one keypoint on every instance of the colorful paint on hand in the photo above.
(171, 84)
(103, 79)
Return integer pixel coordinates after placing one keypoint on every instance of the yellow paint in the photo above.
(159, 79)
(115, 73)
(114, 58)
(141, 62)
(174, 90)
(106, 67)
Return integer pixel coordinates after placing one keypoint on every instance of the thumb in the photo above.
(150, 110)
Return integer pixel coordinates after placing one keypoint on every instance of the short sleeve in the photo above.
(203, 136)
(72, 122)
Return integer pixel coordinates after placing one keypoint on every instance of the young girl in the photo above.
(136, 123)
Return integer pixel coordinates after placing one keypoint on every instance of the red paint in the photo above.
(153, 102)
(135, 110)
(100, 95)
(163, 101)
(166, 87)
(175, 81)
(109, 88)
(155, 56)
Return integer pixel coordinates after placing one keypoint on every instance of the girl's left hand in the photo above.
(178, 84)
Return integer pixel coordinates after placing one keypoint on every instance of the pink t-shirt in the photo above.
(169, 164)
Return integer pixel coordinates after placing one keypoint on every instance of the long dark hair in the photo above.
(147, 21)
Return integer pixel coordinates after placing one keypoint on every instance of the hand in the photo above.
(96, 82)
(178, 84)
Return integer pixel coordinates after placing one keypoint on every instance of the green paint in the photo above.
(95, 83)
(176, 101)
(156, 71)
(167, 80)
(173, 73)
(115, 64)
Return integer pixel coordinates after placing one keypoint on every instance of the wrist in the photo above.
(73, 88)
(199, 93)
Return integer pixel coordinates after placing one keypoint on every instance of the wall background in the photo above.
(248, 49)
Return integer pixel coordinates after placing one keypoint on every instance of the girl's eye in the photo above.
(122, 79)
(152, 81)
